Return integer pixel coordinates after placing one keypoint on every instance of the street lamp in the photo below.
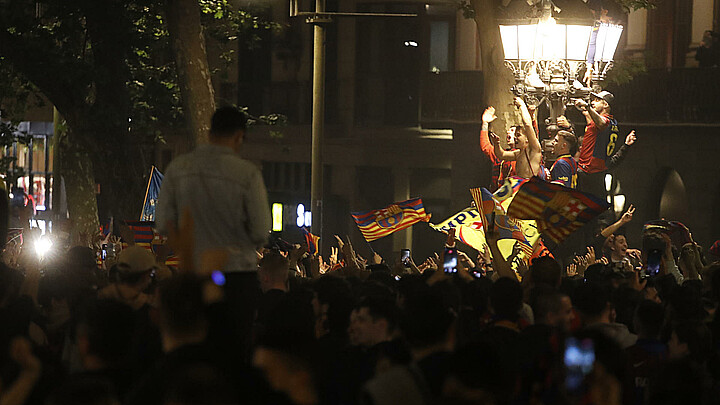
(547, 58)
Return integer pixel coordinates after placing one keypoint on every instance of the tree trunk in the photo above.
(188, 42)
(77, 170)
(497, 79)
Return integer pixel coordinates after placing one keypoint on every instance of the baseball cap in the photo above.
(605, 95)
(136, 259)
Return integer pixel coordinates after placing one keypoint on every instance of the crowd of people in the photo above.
(247, 320)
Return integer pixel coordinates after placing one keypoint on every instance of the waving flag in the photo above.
(376, 224)
(508, 228)
(151, 195)
(313, 241)
(468, 225)
(558, 210)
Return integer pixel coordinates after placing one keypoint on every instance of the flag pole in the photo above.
(147, 190)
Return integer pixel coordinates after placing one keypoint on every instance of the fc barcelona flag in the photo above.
(506, 227)
(376, 224)
(558, 210)
(151, 195)
(312, 241)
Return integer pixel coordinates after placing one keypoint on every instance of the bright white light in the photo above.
(619, 204)
(42, 225)
(411, 43)
(608, 182)
(308, 218)
(611, 41)
(40, 208)
(12, 196)
(526, 37)
(578, 37)
(300, 215)
(43, 246)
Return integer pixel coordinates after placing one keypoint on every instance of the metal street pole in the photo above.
(318, 118)
(319, 18)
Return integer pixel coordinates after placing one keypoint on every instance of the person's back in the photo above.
(224, 193)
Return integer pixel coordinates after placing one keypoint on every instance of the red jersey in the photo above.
(588, 162)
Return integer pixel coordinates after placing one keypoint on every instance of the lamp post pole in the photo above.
(318, 117)
(319, 19)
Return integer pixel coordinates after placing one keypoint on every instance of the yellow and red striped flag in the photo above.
(376, 224)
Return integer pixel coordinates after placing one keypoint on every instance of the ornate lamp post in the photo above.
(547, 58)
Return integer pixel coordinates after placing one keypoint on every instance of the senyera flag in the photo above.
(558, 210)
(312, 241)
(379, 223)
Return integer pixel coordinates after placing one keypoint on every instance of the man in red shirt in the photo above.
(599, 142)
(501, 169)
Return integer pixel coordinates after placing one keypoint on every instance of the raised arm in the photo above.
(533, 141)
(626, 217)
(499, 151)
(485, 145)
(621, 153)
(600, 122)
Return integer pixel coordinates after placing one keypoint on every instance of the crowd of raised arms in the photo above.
(614, 325)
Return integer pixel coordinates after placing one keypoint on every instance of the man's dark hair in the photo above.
(546, 270)
(506, 299)
(591, 299)
(226, 121)
(649, 317)
(381, 308)
(519, 129)
(570, 139)
(110, 329)
(545, 300)
(273, 262)
(337, 293)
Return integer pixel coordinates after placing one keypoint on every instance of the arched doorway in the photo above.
(670, 200)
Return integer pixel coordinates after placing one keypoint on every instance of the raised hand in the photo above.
(563, 122)
(340, 242)
(630, 138)
(571, 270)
(590, 255)
(333, 259)
(465, 260)
(377, 259)
(627, 216)
(489, 115)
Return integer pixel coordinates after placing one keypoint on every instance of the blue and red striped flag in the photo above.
(142, 232)
(145, 236)
(377, 224)
(558, 210)
(313, 241)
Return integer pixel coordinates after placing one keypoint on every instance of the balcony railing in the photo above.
(689, 95)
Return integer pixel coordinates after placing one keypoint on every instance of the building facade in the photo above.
(403, 108)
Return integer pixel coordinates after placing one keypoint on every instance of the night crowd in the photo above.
(263, 321)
